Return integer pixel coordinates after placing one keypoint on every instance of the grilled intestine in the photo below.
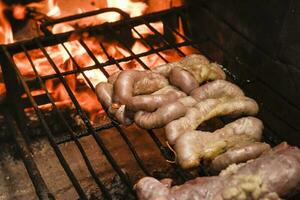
(207, 109)
(194, 146)
(216, 89)
(149, 95)
(238, 154)
(272, 176)
(197, 65)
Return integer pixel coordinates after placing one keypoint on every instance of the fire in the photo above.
(60, 54)
(54, 10)
(6, 34)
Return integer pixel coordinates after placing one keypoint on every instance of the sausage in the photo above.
(238, 154)
(104, 92)
(197, 65)
(152, 102)
(161, 116)
(183, 79)
(206, 110)
(150, 83)
(124, 91)
(194, 146)
(273, 175)
(216, 89)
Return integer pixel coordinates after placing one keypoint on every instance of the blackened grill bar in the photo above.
(38, 42)
(13, 75)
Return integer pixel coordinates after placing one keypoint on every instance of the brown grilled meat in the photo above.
(274, 174)
(160, 117)
(216, 89)
(206, 110)
(124, 87)
(194, 146)
(183, 79)
(197, 65)
(104, 93)
(238, 154)
(164, 114)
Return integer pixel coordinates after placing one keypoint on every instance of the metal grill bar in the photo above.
(42, 42)
(42, 190)
(121, 132)
(163, 149)
(71, 132)
(56, 149)
(111, 62)
(86, 120)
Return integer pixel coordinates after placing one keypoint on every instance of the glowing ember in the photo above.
(6, 35)
(19, 12)
(60, 54)
(54, 10)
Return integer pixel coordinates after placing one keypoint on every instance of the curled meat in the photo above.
(197, 65)
(161, 116)
(146, 84)
(124, 91)
(183, 79)
(194, 146)
(112, 78)
(187, 101)
(237, 154)
(152, 102)
(206, 110)
(216, 89)
(274, 174)
(149, 84)
(104, 93)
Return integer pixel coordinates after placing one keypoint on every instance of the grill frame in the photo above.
(14, 91)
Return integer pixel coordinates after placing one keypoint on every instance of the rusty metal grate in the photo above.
(17, 84)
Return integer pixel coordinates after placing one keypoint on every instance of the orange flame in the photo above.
(6, 34)
(60, 54)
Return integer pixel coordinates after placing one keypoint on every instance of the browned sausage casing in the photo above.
(239, 154)
(197, 65)
(193, 146)
(124, 91)
(160, 117)
(104, 93)
(216, 89)
(183, 79)
(206, 110)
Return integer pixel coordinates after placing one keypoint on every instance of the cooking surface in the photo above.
(16, 184)
(146, 146)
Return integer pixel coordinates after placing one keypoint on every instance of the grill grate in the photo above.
(12, 74)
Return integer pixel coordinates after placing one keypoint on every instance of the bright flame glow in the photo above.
(77, 81)
(54, 10)
(6, 34)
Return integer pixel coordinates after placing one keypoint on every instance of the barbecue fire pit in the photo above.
(72, 149)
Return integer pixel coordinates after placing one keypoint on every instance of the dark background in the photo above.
(259, 42)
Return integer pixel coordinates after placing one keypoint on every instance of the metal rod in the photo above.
(82, 15)
(40, 186)
(149, 45)
(167, 155)
(70, 131)
(62, 37)
(56, 149)
(166, 41)
(86, 120)
(152, 135)
(131, 147)
(110, 62)
(128, 49)
(67, 138)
